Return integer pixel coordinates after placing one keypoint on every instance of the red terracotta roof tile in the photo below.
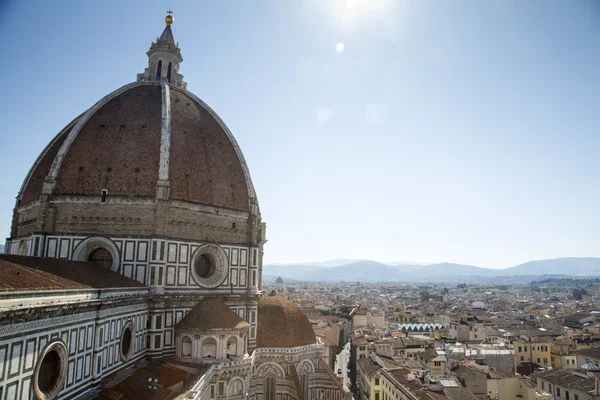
(18, 273)
(211, 313)
(282, 324)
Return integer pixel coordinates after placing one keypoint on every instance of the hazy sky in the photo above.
(463, 131)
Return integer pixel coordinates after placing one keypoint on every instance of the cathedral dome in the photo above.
(148, 159)
(138, 136)
(282, 324)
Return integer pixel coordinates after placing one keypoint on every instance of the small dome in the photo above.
(211, 314)
(279, 280)
(282, 324)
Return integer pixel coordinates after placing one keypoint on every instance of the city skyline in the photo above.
(377, 130)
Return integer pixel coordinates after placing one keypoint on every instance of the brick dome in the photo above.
(140, 137)
(149, 159)
(282, 324)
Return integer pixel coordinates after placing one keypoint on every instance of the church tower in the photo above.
(164, 58)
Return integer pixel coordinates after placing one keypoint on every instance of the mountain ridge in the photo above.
(373, 271)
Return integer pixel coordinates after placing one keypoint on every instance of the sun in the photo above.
(348, 11)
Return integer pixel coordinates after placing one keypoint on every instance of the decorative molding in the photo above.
(270, 367)
(221, 266)
(305, 366)
(43, 323)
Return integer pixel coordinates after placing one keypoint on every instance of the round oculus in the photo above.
(209, 266)
(127, 345)
(51, 370)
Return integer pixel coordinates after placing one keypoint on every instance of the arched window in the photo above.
(232, 346)
(235, 388)
(101, 257)
(270, 388)
(169, 72)
(159, 70)
(209, 348)
(186, 347)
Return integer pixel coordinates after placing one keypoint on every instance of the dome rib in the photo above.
(32, 189)
(242, 160)
(165, 134)
(201, 142)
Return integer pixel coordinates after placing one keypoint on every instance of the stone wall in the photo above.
(88, 215)
(92, 340)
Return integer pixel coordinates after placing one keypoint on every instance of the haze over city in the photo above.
(388, 130)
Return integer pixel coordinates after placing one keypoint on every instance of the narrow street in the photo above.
(341, 365)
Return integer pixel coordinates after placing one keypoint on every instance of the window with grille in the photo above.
(101, 257)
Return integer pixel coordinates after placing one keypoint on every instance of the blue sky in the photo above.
(462, 131)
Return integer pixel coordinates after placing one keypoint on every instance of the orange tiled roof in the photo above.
(211, 313)
(19, 273)
(282, 324)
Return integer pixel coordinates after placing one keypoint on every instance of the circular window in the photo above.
(101, 257)
(209, 266)
(127, 336)
(50, 370)
(204, 266)
(98, 250)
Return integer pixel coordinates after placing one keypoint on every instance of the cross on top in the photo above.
(170, 11)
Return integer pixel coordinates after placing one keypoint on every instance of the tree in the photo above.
(579, 293)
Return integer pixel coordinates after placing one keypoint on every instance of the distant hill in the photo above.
(353, 271)
(568, 265)
(313, 264)
(1, 248)
(407, 263)
(363, 271)
(372, 271)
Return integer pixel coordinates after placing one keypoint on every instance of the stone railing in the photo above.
(200, 386)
